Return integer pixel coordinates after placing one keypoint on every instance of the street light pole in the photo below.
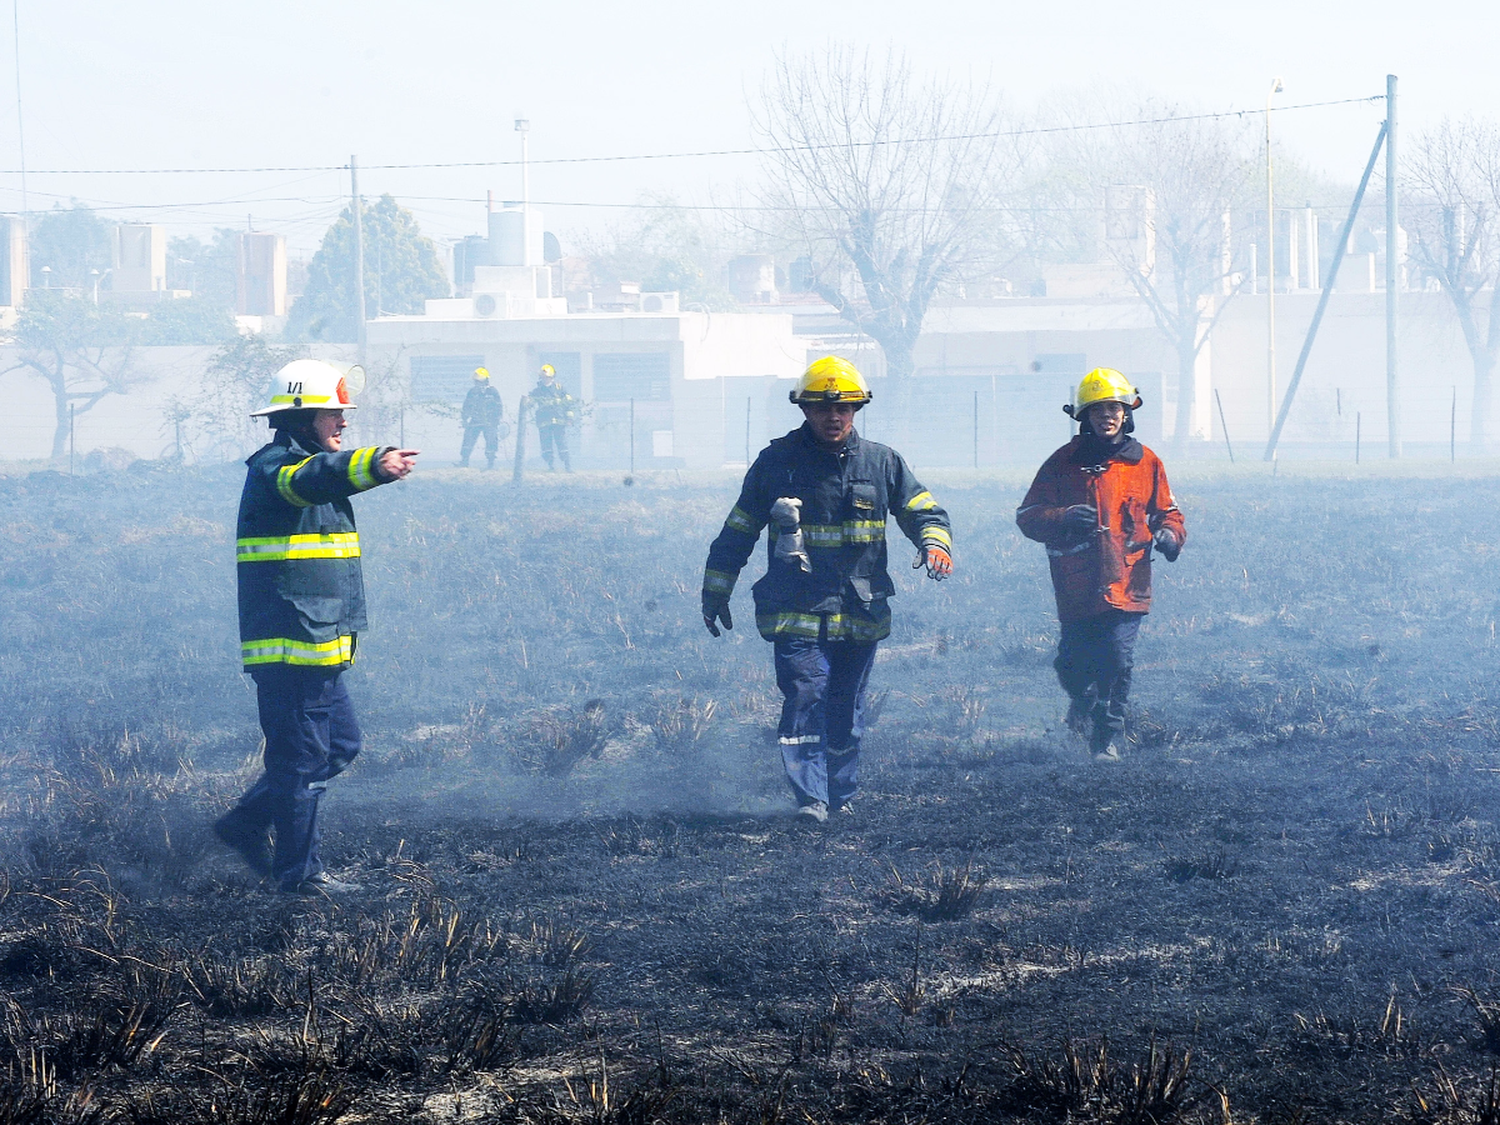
(1276, 88)
(1392, 274)
(523, 126)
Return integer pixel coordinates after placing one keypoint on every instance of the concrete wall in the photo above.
(1346, 370)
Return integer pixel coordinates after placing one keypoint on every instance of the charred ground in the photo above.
(584, 901)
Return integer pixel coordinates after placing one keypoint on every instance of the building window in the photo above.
(622, 376)
(442, 378)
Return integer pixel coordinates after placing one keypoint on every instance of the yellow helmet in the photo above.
(481, 372)
(1103, 384)
(548, 369)
(832, 379)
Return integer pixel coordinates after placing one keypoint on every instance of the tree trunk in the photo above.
(57, 380)
(1484, 365)
(1187, 388)
(899, 367)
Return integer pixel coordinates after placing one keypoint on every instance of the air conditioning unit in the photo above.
(659, 302)
(486, 305)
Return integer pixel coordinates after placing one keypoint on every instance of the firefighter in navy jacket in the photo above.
(826, 494)
(301, 609)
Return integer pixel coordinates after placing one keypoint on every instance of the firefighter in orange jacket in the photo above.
(1100, 504)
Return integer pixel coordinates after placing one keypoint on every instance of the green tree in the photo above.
(402, 270)
(191, 320)
(208, 269)
(234, 383)
(667, 248)
(82, 352)
(70, 241)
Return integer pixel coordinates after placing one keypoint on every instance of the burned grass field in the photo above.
(584, 899)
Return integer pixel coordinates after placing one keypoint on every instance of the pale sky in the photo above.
(189, 84)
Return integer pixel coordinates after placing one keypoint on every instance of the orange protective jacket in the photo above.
(1109, 568)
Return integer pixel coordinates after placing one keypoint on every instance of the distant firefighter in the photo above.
(302, 606)
(481, 414)
(826, 494)
(554, 409)
(1100, 504)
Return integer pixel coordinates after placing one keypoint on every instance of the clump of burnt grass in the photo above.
(1084, 1082)
(433, 945)
(679, 722)
(1214, 865)
(317, 1096)
(118, 800)
(946, 894)
(634, 836)
(555, 740)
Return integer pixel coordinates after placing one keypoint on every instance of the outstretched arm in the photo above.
(731, 549)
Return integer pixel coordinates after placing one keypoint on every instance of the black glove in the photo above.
(1166, 543)
(1080, 519)
(716, 609)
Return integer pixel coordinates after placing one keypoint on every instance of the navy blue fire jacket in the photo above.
(301, 593)
(846, 497)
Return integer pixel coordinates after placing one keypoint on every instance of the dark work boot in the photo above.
(250, 842)
(1107, 745)
(1079, 709)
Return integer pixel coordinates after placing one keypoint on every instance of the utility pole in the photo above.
(1392, 272)
(15, 15)
(359, 253)
(1276, 88)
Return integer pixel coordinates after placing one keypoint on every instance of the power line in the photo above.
(1036, 131)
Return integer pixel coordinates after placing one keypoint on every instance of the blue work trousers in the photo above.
(311, 736)
(1094, 661)
(823, 691)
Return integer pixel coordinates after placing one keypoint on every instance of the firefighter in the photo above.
(481, 414)
(825, 494)
(553, 408)
(301, 608)
(1100, 504)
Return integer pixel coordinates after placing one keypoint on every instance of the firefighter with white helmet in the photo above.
(301, 609)
(1100, 505)
(825, 493)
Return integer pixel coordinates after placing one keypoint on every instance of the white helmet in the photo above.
(311, 384)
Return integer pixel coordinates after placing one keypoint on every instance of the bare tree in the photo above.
(1178, 178)
(1452, 213)
(887, 184)
(81, 351)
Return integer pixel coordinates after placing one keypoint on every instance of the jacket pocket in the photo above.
(864, 501)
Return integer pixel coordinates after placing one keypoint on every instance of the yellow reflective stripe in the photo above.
(739, 520)
(284, 484)
(285, 650)
(302, 400)
(837, 534)
(362, 468)
(789, 624)
(280, 548)
(921, 502)
(938, 535)
(857, 627)
(822, 535)
(718, 582)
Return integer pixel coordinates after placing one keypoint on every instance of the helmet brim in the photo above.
(283, 407)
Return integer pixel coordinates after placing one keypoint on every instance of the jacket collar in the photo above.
(804, 431)
(1089, 450)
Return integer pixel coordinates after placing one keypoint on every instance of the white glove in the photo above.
(787, 514)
